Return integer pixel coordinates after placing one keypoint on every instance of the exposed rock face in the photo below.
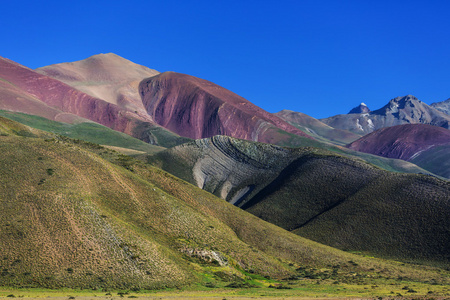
(360, 109)
(30, 92)
(400, 110)
(206, 255)
(443, 106)
(406, 142)
(316, 128)
(197, 108)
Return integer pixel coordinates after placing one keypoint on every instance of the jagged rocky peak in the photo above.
(360, 109)
(403, 100)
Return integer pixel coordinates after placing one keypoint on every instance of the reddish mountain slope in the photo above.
(197, 108)
(25, 90)
(106, 76)
(425, 145)
(402, 141)
(63, 97)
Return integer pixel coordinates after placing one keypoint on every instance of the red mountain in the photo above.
(402, 141)
(24, 90)
(425, 145)
(196, 108)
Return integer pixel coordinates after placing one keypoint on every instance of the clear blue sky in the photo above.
(318, 57)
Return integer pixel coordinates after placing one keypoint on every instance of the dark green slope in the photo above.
(337, 202)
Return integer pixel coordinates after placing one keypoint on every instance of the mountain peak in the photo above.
(405, 98)
(360, 109)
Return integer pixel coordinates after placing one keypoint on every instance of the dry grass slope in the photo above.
(75, 214)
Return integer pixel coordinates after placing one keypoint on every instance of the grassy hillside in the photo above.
(90, 132)
(294, 187)
(75, 214)
(348, 205)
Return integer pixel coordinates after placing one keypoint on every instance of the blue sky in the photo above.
(318, 57)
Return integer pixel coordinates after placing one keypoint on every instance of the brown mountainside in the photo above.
(310, 190)
(77, 215)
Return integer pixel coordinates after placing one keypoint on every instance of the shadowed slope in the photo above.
(400, 110)
(407, 142)
(292, 187)
(197, 108)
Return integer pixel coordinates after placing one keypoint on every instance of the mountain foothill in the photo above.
(117, 176)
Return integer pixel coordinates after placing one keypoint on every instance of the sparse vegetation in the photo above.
(151, 215)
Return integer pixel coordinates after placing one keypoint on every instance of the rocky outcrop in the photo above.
(230, 168)
(196, 108)
(210, 256)
(400, 110)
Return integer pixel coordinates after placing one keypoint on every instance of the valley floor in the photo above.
(309, 289)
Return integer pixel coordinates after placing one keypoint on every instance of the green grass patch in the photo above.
(88, 131)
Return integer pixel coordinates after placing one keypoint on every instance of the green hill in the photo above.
(78, 215)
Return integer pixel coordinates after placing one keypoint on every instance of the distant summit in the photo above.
(360, 109)
(400, 110)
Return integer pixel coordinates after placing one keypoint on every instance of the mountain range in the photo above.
(90, 151)
(400, 110)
